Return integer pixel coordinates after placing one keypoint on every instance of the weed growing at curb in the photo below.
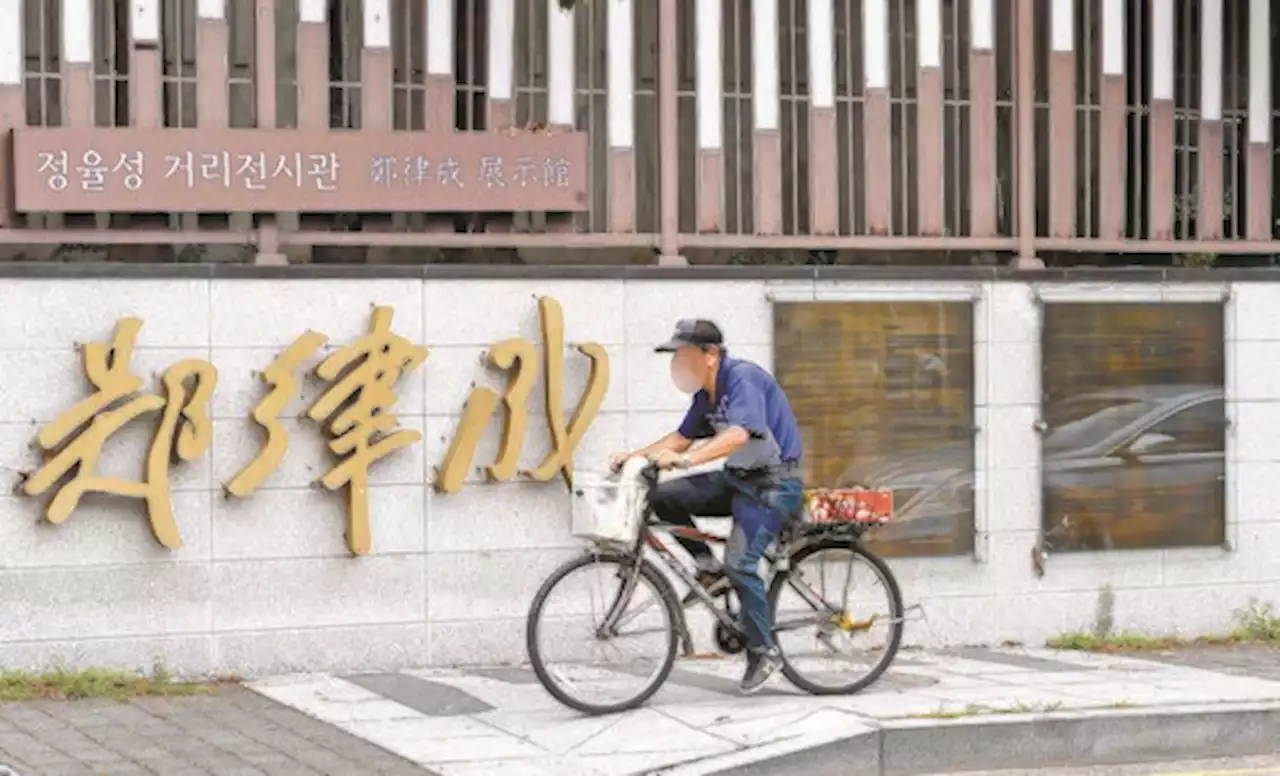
(978, 710)
(66, 684)
(1123, 641)
(1258, 623)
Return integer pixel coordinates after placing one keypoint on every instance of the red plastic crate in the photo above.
(849, 505)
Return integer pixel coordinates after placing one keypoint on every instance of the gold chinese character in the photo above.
(280, 376)
(356, 411)
(516, 356)
(74, 441)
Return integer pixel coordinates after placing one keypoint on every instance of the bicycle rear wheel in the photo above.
(586, 666)
(836, 640)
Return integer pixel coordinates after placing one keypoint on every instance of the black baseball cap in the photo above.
(699, 333)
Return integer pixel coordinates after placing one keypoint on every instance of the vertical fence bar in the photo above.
(313, 65)
(669, 130)
(767, 140)
(793, 118)
(1137, 115)
(440, 80)
(377, 75)
(1160, 165)
(264, 93)
(144, 68)
(560, 66)
(502, 39)
(376, 67)
(499, 103)
(1209, 198)
(212, 39)
(709, 86)
(264, 63)
(879, 140)
(1024, 100)
(739, 167)
(1258, 169)
(12, 103)
(622, 132)
(562, 90)
(1088, 44)
(929, 183)
(469, 76)
(1235, 100)
(77, 63)
(982, 118)
(1062, 120)
(824, 183)
(1112, 153)
(212, 89)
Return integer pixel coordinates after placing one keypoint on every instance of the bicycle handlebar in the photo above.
(651, 475)
(648, 474)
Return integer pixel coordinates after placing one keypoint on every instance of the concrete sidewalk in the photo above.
(936, 711)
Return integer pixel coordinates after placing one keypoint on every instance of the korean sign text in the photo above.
(238, 170)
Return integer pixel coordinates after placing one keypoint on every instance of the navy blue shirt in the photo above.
(748, 397)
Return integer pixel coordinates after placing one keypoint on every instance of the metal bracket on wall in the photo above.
(874, 291)
(1039, 557)
(1134, 294)
(981, 547)
(790, 295)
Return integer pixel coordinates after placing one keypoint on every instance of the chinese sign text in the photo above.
(355, 412)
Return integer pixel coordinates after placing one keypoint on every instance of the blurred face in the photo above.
(691, 368)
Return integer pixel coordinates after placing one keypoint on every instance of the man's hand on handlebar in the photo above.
(664, 459)
(618, 460)
(668, 459)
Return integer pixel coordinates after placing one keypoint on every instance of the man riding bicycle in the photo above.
(746, 417)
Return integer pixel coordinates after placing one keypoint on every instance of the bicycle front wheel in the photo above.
(837, 616)
(601, 637)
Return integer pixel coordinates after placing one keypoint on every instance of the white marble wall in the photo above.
(265, 584)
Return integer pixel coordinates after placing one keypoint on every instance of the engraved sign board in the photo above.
(1134, 446)
(131, 170)
(883, 394)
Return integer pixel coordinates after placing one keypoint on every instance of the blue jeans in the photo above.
(759, 507)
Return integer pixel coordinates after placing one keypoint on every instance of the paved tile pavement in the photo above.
(235, 733)
(478, 722)
(499, 721)
(1262, 662)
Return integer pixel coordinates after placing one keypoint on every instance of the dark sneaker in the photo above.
(714, 583)
(760, 666)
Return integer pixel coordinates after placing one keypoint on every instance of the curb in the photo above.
(1037, 740)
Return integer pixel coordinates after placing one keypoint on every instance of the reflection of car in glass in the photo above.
(1091, 445)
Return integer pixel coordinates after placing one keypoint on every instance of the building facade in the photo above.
(1068, 449)
(1066, 454)
(989, 127)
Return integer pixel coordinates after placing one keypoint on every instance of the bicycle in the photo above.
(621, 526)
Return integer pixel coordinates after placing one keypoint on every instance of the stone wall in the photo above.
(265, 583)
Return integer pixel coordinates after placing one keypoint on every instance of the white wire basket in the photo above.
(609, 510)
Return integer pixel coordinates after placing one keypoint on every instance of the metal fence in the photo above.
(1017, 126)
